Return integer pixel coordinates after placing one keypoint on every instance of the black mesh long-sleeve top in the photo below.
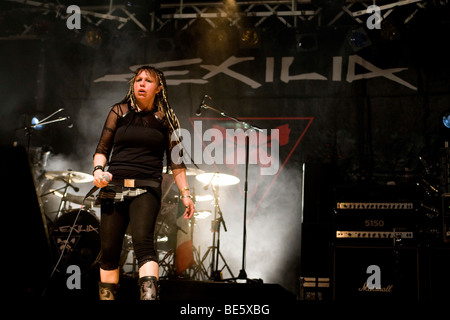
(135, 143)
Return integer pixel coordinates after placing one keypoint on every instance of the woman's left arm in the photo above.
(179, 175)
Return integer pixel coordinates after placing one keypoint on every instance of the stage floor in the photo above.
(175, 290)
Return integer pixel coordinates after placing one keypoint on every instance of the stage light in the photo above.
(446, 119)
(358, 39)
(34, 122)
(249, 38)
(92, 37)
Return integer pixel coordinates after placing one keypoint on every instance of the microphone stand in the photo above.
(242, 273)
(29, 129)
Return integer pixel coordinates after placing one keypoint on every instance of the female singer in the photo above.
(136, 136)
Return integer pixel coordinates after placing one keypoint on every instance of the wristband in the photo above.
(188, 196)
(98, 167)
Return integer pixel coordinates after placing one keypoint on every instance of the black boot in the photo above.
(148, 288)
(107, 291)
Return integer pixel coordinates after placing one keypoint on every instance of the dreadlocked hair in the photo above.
(161, 103)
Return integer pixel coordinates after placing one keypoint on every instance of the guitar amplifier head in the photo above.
(375, 214)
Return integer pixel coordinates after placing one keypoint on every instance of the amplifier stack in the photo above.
(375, 215)
(375, 228)
(366, 242)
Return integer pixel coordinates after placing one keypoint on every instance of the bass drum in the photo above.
(83, 246)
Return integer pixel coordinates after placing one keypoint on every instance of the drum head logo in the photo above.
(66, 247)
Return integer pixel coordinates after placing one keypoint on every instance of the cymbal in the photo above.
(89, 201)
(217, 179)
(202, 214)
(69, 176)
(203, 197)
(189, 171)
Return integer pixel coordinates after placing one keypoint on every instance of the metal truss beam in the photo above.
(183, 14)
(287, 12)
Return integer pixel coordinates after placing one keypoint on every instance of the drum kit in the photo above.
(75, 233)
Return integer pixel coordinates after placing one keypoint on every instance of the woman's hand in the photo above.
(189, 205)
(99, 178)
(179, 176)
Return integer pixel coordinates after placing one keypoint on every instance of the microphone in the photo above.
(95, 188)
(198, 113)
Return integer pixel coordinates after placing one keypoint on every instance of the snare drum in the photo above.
(83, 246)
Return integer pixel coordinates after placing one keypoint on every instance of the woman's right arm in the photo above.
(104, 147)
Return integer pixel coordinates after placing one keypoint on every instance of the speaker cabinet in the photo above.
(372, 273)
(316, 232)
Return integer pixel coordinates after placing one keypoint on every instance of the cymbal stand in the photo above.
(63, 199)
(215, 248)
(198, 271)
(68, 183)
(63, 202)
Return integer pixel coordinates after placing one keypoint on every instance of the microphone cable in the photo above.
(55, 268)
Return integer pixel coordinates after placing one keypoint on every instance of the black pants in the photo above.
(141, 213)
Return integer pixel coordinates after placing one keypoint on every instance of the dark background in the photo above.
(371, 130)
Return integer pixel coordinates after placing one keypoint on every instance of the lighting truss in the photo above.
(290, 13)
(182, 14)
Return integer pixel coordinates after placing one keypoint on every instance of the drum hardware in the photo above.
(68, 177)
(202, 214)
(203, 197)
(167, 263)
(127, 247)
(198, 271)
(91, 200)
(168, 183)
(216, 180)
(64, 199)
(81, 248)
